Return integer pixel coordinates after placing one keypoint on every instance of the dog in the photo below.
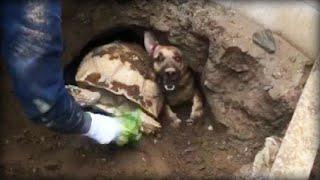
(175, 78)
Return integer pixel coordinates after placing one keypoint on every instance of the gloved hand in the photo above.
(122, 130)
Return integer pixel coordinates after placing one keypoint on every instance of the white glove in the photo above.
(103, 129)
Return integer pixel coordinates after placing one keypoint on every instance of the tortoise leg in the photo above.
(83, 96)
(172, 116)
(197, 108)
(149, 124)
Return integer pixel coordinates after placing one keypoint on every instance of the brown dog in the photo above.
(175, 77)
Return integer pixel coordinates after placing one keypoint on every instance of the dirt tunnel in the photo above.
(250, 94)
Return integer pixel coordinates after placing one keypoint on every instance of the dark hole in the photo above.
(120, 33)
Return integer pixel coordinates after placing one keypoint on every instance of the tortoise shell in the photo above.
(123, 69)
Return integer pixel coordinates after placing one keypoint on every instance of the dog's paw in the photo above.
(176, 123)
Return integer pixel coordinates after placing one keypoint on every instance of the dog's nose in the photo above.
(171, 73)
(170, 70)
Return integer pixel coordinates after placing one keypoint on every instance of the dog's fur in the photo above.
(175, 78)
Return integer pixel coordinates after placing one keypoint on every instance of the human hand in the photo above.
(122, 129)
(103, 129)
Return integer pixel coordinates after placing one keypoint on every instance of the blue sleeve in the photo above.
(32, 47)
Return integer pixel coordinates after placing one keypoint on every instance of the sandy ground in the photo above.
(28, 150)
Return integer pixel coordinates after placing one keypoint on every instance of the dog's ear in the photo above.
(150, 42)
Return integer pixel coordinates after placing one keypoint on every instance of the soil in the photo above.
(28, 150)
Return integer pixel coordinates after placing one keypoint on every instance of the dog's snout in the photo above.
(171, 73)
(170, 70)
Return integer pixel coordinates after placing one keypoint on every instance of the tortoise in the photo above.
(118, 77)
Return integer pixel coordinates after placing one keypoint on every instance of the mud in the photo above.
(28, 150)
(250, 95)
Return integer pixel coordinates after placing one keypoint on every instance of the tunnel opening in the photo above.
(250, 95)
(122, 33)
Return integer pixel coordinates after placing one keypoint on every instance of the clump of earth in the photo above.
(250, 90)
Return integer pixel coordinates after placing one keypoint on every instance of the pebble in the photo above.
(34, 170)
(267, 87)
(189, 149)
(201, 168)
(265, 40)
(210, 128)
(155, 141)
(42, 139)
(246, 149)
(6, 142)
(229, 157)
(277, 75)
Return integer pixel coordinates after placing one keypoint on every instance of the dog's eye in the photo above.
(160, 57)
(178, 59)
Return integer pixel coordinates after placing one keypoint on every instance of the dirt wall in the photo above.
(247, 89)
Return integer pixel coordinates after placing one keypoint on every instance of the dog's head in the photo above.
(168, 63)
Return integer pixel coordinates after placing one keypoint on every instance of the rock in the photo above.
(267, 87)
(201, 168)
(210, 128)
(35, 170)
(264, 159)
(155, 141)
(189, 149)
(265, 40)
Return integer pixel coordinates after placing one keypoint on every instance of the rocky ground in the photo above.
(250, 90)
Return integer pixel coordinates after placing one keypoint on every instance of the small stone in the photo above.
(26, 131)
(246, 149)
(210, 128)
(155, 141)
(265, 40)
(201, 168)
(267, 87)
(34, 170)
(189, 149)
(276, 75)
(293, 59)
(104, 160)
(188, 143)
(6, 142)
(42, 139)
(222, 146)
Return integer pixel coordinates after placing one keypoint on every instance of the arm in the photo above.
(32, 48)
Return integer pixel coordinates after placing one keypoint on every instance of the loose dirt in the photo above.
(28, 150)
